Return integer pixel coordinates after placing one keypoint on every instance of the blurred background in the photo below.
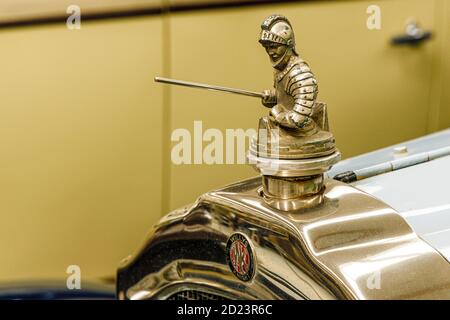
(85, 133)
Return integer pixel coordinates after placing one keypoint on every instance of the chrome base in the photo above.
(293, 184)
(293, 204)
(291, 188)
(293, 168)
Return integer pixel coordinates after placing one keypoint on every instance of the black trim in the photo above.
(225, 4)
(347, 177)
(84, 17)
(142, 12)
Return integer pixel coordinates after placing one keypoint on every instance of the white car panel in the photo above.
(421, 194)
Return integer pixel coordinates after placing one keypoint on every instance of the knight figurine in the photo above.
(294, 147)
(296, 90)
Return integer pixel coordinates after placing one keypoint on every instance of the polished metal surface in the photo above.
(291, 194)
(332, 250)
(209, 87)
(286, 188)
(293, 168)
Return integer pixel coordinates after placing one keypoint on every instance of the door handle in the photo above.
(414, 35)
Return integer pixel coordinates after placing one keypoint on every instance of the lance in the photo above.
(209, 87)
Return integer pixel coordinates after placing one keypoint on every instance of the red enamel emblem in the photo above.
(240, 257)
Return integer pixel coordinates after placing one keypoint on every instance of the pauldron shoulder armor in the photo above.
(302, 86)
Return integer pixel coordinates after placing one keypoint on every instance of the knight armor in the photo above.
(295, 87)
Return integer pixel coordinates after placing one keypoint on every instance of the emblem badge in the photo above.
(240, 257)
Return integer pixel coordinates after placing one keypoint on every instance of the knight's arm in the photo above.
(302, 86)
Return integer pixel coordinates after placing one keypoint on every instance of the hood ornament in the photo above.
(294, 147)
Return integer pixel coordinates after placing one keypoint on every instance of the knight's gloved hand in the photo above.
(269, 98)
(297, 120)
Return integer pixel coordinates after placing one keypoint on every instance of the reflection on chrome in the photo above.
(324, 252)
(353, 217)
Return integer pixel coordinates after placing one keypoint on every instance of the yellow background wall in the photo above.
(80, 145)
(85, 133)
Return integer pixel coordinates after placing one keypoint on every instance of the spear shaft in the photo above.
(209, 87)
